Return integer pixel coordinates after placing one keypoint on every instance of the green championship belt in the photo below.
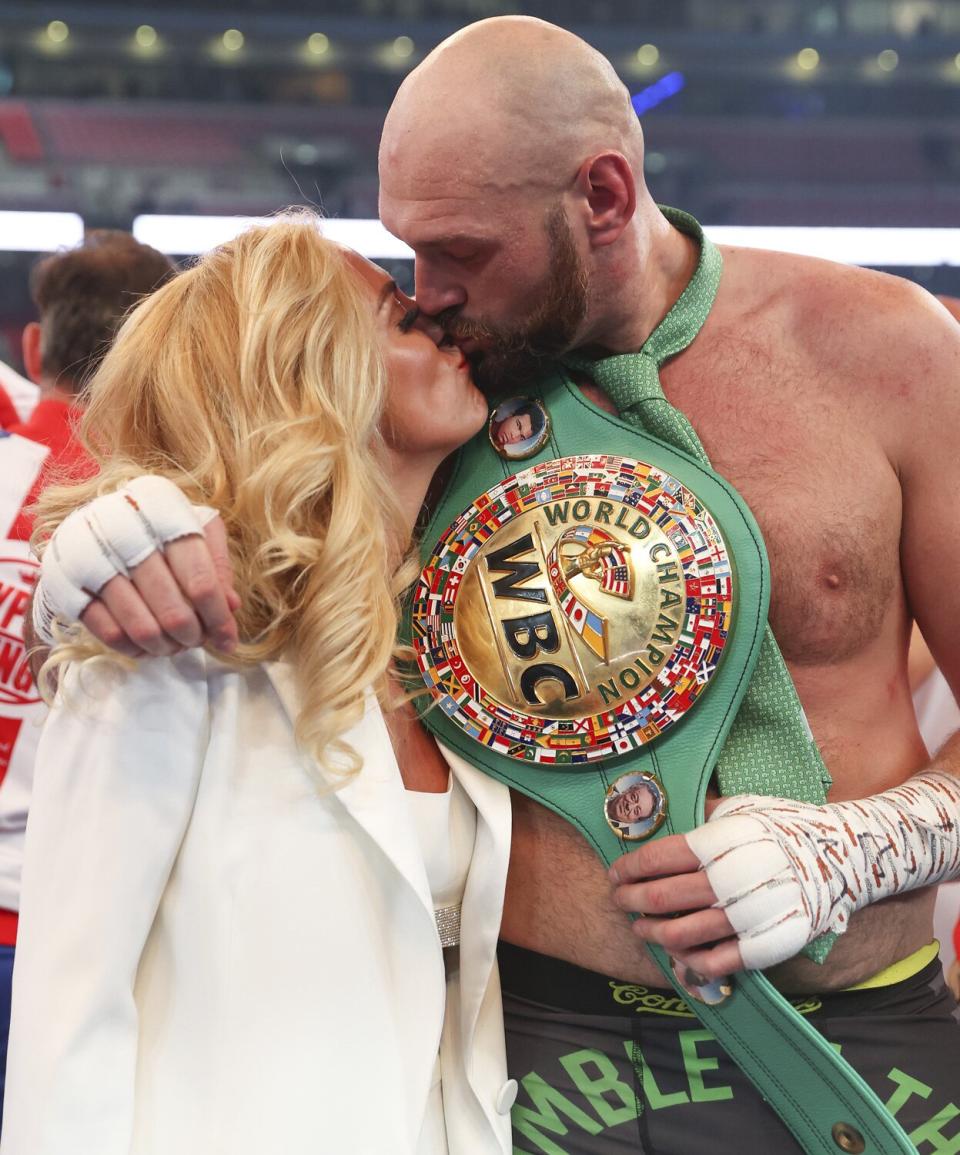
(592, 607)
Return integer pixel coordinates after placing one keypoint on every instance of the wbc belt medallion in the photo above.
(575, 611)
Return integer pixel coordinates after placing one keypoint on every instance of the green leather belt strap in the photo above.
(753, 729)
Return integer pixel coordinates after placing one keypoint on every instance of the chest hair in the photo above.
(799, 448)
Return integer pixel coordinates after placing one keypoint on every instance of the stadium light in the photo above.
(851, 246)
(190, 236)
(26, 232)
(58, 32)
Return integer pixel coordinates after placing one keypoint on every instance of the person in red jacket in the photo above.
(81, 296)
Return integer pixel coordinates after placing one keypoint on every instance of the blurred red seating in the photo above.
(18, 132)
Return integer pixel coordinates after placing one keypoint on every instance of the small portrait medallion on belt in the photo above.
(518, 428)
(635, 806)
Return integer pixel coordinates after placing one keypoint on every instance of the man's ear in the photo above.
(608, 190)
(32, 357)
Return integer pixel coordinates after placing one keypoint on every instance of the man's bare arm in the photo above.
(928, 461)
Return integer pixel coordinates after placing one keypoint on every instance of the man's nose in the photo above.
(436, 293)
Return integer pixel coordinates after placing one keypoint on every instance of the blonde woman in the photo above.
(229, 940)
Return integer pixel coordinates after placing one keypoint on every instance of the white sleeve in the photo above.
(117, 773)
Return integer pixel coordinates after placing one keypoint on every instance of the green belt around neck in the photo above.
(819, 1096)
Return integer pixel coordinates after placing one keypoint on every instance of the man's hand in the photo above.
(172, 601)
(143, 570)
(664, 882)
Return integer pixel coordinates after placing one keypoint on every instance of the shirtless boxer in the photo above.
(827, 395)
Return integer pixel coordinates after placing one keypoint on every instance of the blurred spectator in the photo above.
(81, 296)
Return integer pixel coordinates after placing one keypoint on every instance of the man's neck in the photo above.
(641, 285)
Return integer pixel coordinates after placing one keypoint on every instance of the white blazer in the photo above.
(217, 959)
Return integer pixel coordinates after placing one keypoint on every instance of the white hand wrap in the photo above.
(784, 872)
(111, 535)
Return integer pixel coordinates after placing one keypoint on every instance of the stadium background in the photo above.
(757, 112)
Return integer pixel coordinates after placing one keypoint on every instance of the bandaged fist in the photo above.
(664, 882)
(143, 569)
(775, 874)
(772, 865)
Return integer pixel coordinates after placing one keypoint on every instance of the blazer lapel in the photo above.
(374, 797)
(483, 895)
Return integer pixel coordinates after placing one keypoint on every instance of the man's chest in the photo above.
(824, 494)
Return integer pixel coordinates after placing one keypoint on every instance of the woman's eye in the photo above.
(409, 319)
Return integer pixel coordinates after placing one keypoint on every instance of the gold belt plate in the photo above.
(575, 611)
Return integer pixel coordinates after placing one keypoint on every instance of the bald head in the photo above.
(511, 162)
(507, 103)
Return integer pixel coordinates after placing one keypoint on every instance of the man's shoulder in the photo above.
(777, 278)
(851, 315)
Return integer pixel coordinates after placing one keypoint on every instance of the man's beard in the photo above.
(513, 357)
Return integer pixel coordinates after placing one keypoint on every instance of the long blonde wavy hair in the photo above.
(254, 381)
